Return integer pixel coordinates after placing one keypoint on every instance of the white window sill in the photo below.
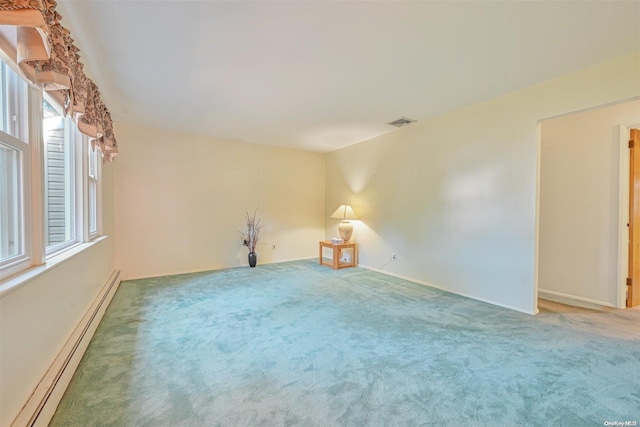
(15, 282)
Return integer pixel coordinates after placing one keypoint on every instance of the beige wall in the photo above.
(37, 318)
(181, 200)
(455, 196)
(579, 203)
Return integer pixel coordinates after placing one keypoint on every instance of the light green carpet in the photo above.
(297, 344)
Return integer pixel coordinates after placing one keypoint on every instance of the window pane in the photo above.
(4, 98)
(58, 155)
(13, 106)
(93, 162)
(93, 172)
(93, 213)
(10, 206)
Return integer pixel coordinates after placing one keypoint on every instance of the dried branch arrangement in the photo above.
(251, 236)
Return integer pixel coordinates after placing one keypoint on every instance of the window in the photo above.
(14, 176)
(92, 186)
(10, 202)
(49, 178)
(59, 179)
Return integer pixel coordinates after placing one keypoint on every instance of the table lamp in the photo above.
(345, 213)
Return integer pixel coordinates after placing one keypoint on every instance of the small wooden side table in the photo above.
(337, 254)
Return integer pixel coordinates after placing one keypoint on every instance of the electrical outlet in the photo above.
(394, 256)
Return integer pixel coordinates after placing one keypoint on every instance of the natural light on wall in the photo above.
(480, 188)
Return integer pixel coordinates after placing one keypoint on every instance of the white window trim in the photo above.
(82, 190)
(36, 199)
(91, 235)
(99, 230)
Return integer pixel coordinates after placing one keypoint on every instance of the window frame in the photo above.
(20, 98)
(97, 181)
(71, 136)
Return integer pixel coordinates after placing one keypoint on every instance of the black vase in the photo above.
(253, 259)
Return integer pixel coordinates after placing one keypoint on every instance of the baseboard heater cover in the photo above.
(44, 400)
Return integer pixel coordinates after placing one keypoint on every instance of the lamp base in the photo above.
(345, 229)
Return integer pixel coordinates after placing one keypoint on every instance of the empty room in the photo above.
(319, 213)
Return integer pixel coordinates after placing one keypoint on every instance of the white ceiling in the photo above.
(321, 75)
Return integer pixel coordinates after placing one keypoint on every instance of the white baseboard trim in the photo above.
(179, 273)
(431, 285)
(573, 300)
(295, 259)
(44, 400)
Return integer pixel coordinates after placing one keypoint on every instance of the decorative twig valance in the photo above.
(47, 56)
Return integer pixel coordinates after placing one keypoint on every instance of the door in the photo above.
(633, 282)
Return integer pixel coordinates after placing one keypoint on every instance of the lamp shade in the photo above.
(344, 212)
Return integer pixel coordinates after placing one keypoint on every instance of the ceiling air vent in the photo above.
(402, 121)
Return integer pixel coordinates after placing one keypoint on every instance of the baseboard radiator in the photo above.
(42, 404)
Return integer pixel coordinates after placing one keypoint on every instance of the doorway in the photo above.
(583, 255)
